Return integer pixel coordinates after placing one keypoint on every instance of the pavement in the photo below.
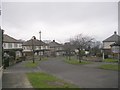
(15, 77)
(84, 76)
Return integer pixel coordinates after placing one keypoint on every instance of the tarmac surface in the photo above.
(84, 76)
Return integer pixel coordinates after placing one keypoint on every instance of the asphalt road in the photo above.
(85, 76)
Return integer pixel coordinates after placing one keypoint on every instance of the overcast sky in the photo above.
(59, 20)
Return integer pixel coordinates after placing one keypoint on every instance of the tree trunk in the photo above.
(69, 55)
(79, 56)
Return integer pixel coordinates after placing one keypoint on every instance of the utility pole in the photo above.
(40, 44)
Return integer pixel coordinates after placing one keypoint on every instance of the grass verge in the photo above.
(31, 64)
(110, 67)
(111, 60)
(43, 80)
(44, 58)
(76, 62)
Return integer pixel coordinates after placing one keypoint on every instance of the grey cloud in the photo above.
(21, 15)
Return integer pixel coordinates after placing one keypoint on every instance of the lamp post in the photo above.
(33, 48)
(40, 44)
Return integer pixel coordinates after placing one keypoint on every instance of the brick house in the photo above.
(108, 43)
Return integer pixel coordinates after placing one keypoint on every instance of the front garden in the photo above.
(110, 67)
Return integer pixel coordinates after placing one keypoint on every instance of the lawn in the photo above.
(110, 60)
(75, 61)
(31, 64)
(43, 80)
(110, 67)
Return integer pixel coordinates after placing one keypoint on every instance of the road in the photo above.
(85, 76)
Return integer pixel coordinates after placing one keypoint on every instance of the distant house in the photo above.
(69, 49)
(10, 44)
(39, 47)
(108, 45)
(56, 49)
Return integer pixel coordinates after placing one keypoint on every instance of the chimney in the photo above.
(33, 37)
(115, 32)
(40, 35)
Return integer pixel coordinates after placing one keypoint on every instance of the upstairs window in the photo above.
(9, 45)
(4, 45)
(15, 45)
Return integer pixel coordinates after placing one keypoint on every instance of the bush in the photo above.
(99, 54)
(19, 59)
(105, 56)
(12, 53)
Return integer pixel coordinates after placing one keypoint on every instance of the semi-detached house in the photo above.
(108, 46)
(39, 47)
(10, 44)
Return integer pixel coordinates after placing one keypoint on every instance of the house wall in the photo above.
(107, 49)
(115, 49)
(59, 48)
(29, 48)
(12, 45)
(44, 47)
(106, 45)
(110, 52)
(54, 51)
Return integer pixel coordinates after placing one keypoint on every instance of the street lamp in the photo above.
(33, 48)
(40, 44)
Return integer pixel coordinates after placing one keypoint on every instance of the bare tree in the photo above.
(81, 42)
(68, 49)
(96, 48)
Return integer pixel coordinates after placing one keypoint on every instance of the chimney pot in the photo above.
(115, 32)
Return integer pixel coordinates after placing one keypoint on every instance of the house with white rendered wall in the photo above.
(108, 45)
(10, 44)
(56, 49)
(39, 47)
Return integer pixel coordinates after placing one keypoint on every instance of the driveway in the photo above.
(85, 76)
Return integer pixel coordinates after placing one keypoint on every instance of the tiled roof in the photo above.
(9, 39)
(34, 42)
(115, 44)
(54, 44)
(113, 38)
